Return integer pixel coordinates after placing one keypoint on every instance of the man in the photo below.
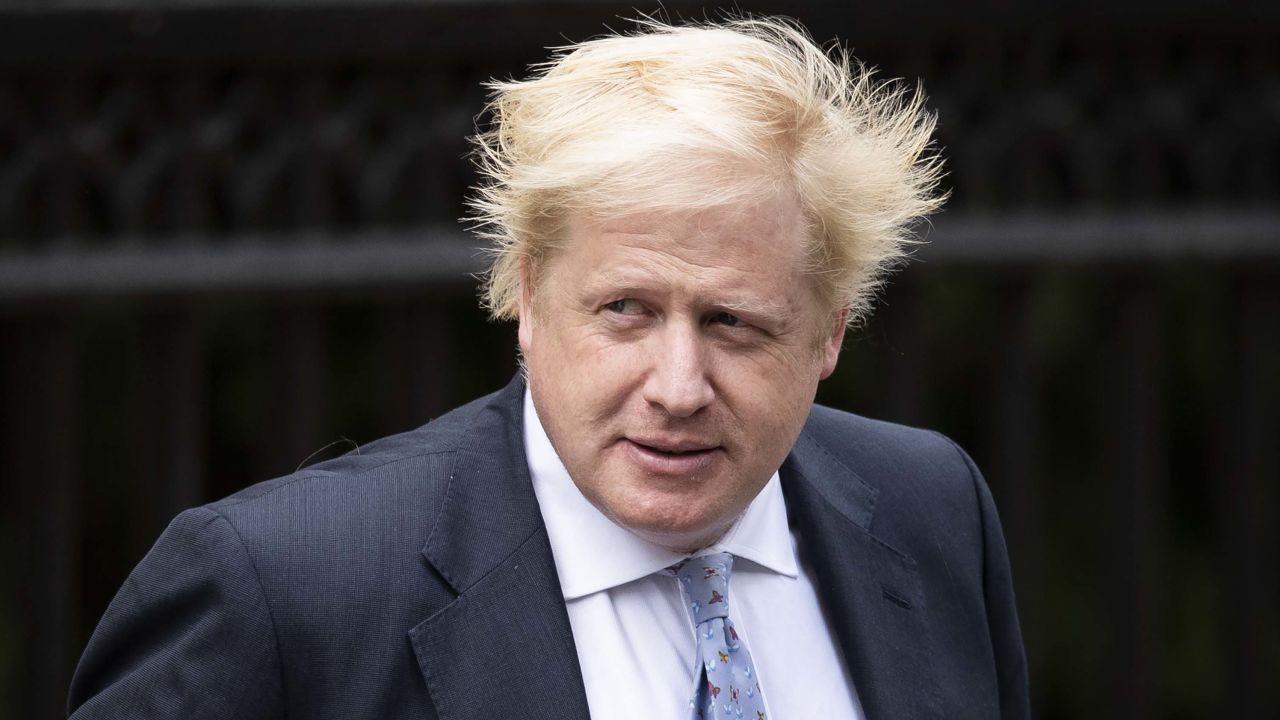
(654, 520)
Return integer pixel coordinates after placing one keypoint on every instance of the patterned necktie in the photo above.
(727, 686)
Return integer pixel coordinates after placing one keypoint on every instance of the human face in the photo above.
(673, 358)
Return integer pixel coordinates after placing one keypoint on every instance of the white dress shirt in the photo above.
(635, 641)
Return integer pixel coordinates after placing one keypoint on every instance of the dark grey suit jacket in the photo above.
(414, 579)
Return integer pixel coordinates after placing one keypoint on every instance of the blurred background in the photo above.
(229, 247)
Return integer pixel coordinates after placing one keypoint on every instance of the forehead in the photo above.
(758, 237)
(745, 257)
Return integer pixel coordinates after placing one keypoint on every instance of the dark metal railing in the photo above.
(229, 239)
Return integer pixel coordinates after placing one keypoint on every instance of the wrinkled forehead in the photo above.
(704, 235)
(745, 254)
(702, 202)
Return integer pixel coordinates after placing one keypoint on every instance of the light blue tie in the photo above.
(727, 687)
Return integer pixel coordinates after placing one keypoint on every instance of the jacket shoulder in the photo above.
(877, 449)
(416, 461)
(932, 504)
(924, 487)
(374, 507)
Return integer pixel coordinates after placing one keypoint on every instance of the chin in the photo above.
(679, 513)
(675, 532)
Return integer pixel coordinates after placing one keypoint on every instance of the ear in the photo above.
(831, 348)
(525, 331)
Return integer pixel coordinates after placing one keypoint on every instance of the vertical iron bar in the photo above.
(301, 402)
(172, 422)
(1249, 592)
(47, 390)
(908, 381)
(1014, 470)
(1138, 476)
(422, 361)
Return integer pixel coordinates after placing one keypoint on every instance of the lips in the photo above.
(673, 446)
(661, 456)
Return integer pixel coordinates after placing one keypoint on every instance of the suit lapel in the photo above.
(871, 593)
(504, 645)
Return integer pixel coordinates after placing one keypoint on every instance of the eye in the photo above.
(728, 320)
(625, 306)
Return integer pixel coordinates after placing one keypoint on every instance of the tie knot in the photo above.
(705, 582)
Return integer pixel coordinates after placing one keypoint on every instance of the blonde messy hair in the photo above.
(689, 117)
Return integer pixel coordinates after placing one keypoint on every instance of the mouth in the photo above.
(668, 457)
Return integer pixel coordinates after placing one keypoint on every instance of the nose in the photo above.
(679, 376)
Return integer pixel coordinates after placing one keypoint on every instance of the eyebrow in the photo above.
(640, 281)
(775, 311)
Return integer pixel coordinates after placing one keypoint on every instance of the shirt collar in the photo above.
(592, 553)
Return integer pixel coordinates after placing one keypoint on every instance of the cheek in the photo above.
(591, 353)
(591, 378)
(771, 396)
(774, 371)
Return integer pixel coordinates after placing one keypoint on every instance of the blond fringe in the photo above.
(689, 117)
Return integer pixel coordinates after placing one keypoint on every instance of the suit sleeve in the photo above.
(188, 636)
(1002, 611)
